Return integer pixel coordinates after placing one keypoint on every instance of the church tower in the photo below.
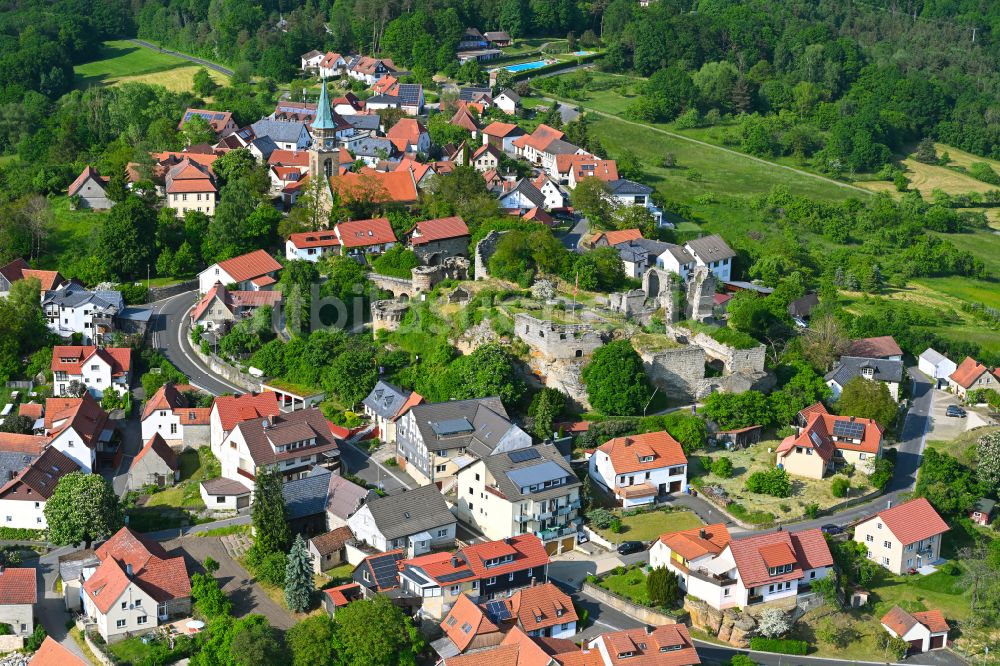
(323, 152)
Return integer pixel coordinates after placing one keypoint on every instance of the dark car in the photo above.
(629, 547)
(955, 410)
(832, 530)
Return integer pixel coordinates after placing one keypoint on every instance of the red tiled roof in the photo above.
(968, 372)
(159, 447)
(880, 347)
(900, 621)
(250, 265)
(405, 132)
(542, 137)
(17, 443)
(262, 281)
(232, 410)
(18, 586)
(499, 129)
(698, 542)
(343, 594)
(619, 236)
(376, 186)
(666, 645)
(33, 410)
(167, 397)
(818, 408)
(19, 269)
(536, 214)
(626, 453)
(87, 173)
(413, 400)
(84, 415)
(463, 118)
(71, 359)
(913, 521)
(932, 619)
(168, 156)
(465, 621)
(160, 576)
(822, 425)
(438, 229)
(289, 158)
(541, 606)
(332, 541)
(750, 554)
(52, 653)
(362, 233)
(530, 553)
(41, 476)
(214, 121)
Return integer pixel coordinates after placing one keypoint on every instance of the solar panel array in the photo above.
(497, 611)
(849, 429)
(385, 572)
(817, 442)
(455, 575)
(409, 93)
(522, 455)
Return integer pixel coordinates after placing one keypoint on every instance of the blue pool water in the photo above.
(582, 53)
(524, 66)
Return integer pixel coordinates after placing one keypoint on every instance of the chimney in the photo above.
(888, 504)
(128, 570)
(649, 630)
(533, 581)
(702, 533)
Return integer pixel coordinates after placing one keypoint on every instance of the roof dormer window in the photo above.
(646, 459)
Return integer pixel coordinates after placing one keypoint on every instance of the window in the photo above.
(124, 605)
(10, 519)
(511, 577)
(909, 548)
(869, 538)
(885, 561)
(812, 574)
(864, 456)
(909, 562)
(70, 444)
(38, 505)
(141, 619)
(477, 476)
(455, 589)
(120, 624)
(173, 428)
(471, 491)
(726, 591)
(878, 526)
(442, 533)
(220, 500)
(887, 544)
(492, 580)
(38, 520)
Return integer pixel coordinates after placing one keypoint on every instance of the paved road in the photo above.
(50, 609)
(199, 61)
(571, 239)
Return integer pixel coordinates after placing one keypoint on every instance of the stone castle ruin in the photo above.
(664, 291)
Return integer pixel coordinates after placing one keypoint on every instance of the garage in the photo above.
(937, 641)
(916, 646)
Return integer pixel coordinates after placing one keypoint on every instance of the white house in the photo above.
(502, 135)
(229, 411)
(713, 252)
(676, 260)
(624, 192)
(254, 271)
(312, 245)
(922, 630)
(522, 196)
(331, 65)
(882, 370)
(639, 468)
(167, 414)
(507, 101)
(79, 428)
(97, 369)
(22, 498)
(18, 596)
(310, 60)
(554, 196)
(413, 520)
(286, 135)
(73, 309)
(369, 70)
(936, 365)
(903, 537)
(409, 136)
(385, 405)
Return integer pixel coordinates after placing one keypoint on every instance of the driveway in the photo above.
(50, 610)
(571, 239)
(944, 427)
(247, 596)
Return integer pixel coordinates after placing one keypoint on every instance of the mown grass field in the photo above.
(122, 61)
(648, 526)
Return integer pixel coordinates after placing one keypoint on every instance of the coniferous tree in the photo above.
(299, 583)
(270, 528)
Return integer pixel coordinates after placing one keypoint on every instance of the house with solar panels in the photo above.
(827, 442)
(221, 122)
(414, 521)
(526, 491)
(434, 441)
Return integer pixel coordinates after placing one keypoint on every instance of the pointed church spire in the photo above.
(324, 117)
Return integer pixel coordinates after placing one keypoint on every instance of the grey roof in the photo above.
(409, 93)
(511, 476)
(632, 253)
(530, 192)
(386, 399)
(306, 496)
(265, 144)
(344, 497)
(654, 247)
(410, 512)
(487, 415)
(710, 248)
(12, 462)
(467, 94)
(560, 147)
(223, 486)
(73, 297)
(750, 286)
(802, 307)
(985, 505)
(278, 130)
(364, 121)
(390, 100)
(369, 146)
(678, 252)
(514, 97)
(626, 186)
(933, 356)
(850, 367)
(135, 314)
(71, 566)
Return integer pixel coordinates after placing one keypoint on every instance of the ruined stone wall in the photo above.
(484, 250)
(424, 278)
(557, 341)
(734, 360)
(387, 315)
(700, 294)
(563, 374)
(679, 372)
(435, 252)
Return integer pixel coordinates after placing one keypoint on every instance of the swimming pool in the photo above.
(582, 53)
(525, 66)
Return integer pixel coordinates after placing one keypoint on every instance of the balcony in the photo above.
(755, 599)
(547, 535)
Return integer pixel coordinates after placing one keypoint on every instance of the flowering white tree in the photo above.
(989, 460)
(772, 623)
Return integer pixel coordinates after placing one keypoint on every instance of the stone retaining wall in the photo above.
(677, 371)
(159, 293)
(749, 361)
(623, 605)
(557, 341)
(227, 371)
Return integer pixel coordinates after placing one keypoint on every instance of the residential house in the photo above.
(310, 60)
(903, 537)
(688, 553)
(549, 155)
(18, 269)
(362, 237)
(937, 366)
(484, 571)
(284, 177)
(554, 196)
(411, 98)
(525, 491)
(712, 252)
(221, 122)
(305, 502)
(472, 39)
(221, 494)
(371, 149)
(229, 411)
(586, 166)
(438, 239)
(379, 574)
(73, 309)
(532, 146)
(676, 260)
(502, 136)
(640, 255)
(639, 468)
(801, 308)
(971, 375)
(498, 38)
(191, 186)
(467, 628)
(615, 237)
(434, 441)
(168, 414)
(53, 653)
(370, 70)
(409, 136)
(312, 245)
(285, 135)
(348, 105)
(922, 630)
(827, 440)
(385, 405)
(507, 101)
(332, 64)
(520, 197)
(220, 308)
(254, 271)
(156, 464)
(888, 372)
(464, 119)
(339, 596)
(18, 596)
(23, 497)
(666, 645)
(624, 192)
(516, 649)
(416, 521)
(327, 549)
(294, 443)
(382, 102)
(136, 587)
(17, 451)
(485, 158)
(91, 190)
(343, 498)
(539, 215)
(384, 187)
(79, 428)
(982, 512)
(884, 346)
(98, 369)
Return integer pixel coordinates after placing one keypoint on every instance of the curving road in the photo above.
(199, 61)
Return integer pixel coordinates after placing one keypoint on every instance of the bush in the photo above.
(892, 645)
(839, 486)
(34, 641)
(267, 567)
(755, 517)
(882, 474)
(779, 645)
(812, 510)
(601, 518)
(722, 468)
(741, 660)
(774, 482)
(616, 526)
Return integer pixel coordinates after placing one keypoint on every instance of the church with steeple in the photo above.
(324, 149)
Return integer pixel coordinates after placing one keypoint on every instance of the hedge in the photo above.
(779, 645)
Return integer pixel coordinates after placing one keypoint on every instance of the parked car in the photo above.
(629, 547)
(582, 537)
(955, 410)
(832, 530)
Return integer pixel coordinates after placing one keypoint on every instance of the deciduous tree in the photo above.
(83, 508)
(615, 380)
(868, 399)
(374, 632)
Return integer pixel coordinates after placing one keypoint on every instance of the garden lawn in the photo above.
(196, 466)
(121, 58)
(631, 585)
(959, 447)
(649, 526)
(804, 491)
(73, 233)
